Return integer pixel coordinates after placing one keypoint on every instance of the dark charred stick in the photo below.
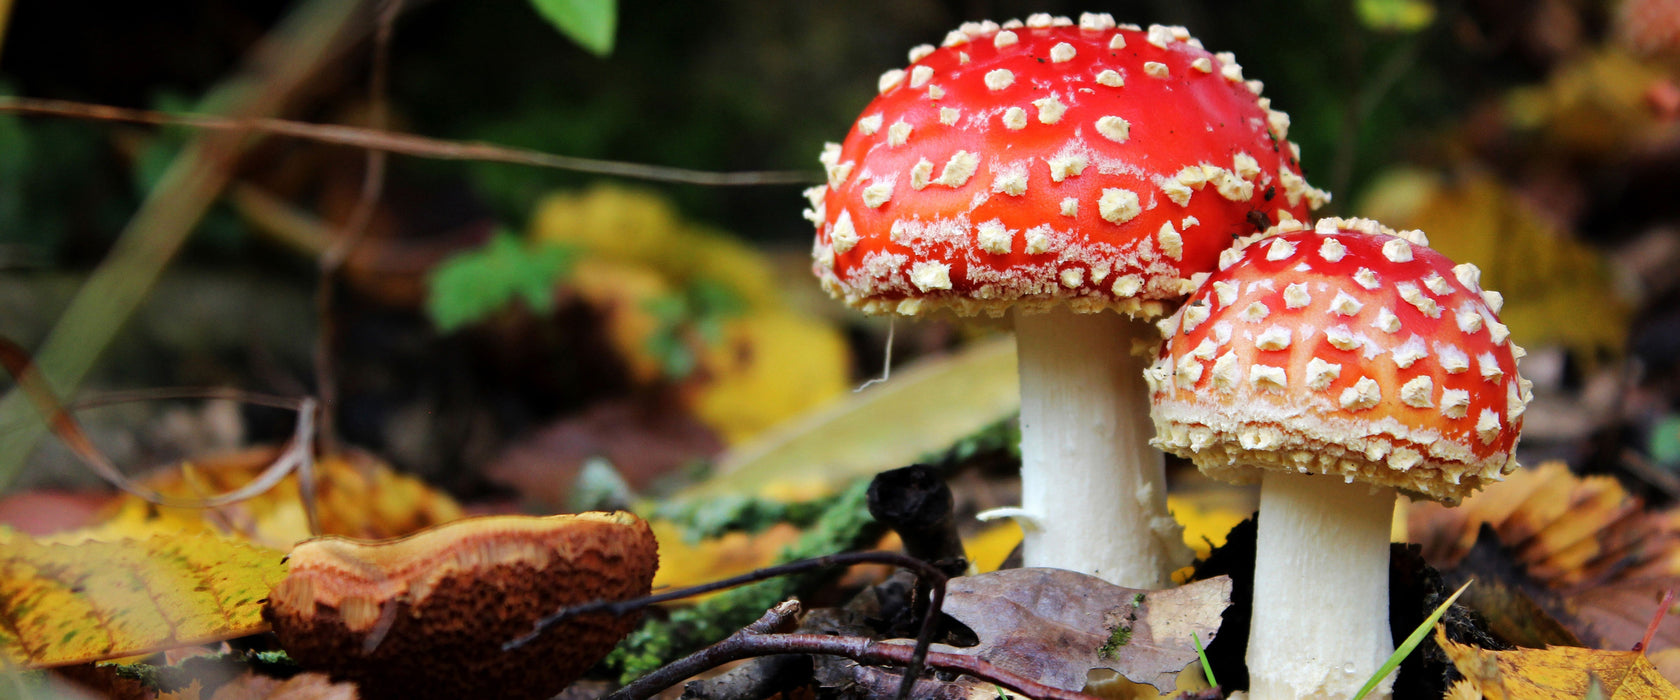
(916, 503)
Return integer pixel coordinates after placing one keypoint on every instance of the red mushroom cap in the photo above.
(1348, 350)
(1051, 162)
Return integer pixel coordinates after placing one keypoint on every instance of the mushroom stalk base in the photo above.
(1320, 624)
(1093, 490)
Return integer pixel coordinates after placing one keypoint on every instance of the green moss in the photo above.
(843, 525)
(1120, 637)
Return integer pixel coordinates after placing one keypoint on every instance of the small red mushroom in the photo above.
(1061, 170)
(1336, 366)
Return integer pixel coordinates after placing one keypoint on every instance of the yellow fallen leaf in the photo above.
(988, 548)
(767, 368)
(1207, 516)
(623, 294)
(1593, 105)
(1557, 290)
(62, 604)
(640, 228)
(357, 496)
(683, 564)
(612, 222)
(1558, 673)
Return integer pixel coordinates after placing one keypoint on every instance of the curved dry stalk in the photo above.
(298, 455)
(355, 227)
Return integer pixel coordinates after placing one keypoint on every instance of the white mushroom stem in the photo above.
(1320, 624)
(1093, 491)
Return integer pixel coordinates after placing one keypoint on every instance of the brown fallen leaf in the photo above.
(63, 604)
(643, 439)
(254, 686)
(1557, 673)
(1055, 626)
(1583, 548)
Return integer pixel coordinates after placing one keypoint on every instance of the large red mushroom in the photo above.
(1064, 171)
(1336, 366)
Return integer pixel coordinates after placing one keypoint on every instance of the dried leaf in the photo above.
(255, 686)
(1558, 673)
(1055, 626)
(62, 604)
(1557, 290)
(768, 367)
(1581, 548)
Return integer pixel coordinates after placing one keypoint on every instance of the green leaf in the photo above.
(477, 283)
(590, 23)
(1405, 16)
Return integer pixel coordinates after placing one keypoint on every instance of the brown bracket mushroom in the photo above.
(1336, 366)
(1060, 170)
(426, 616)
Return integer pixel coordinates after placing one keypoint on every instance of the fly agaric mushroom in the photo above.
(1060, 170)
(1315, 359)
(426, 616)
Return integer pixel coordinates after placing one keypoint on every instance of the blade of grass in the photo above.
(1207, 668)
(1411, 642)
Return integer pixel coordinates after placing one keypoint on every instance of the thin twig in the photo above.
(927, 572)
(354, 229)
(754, 641)
(406, 144)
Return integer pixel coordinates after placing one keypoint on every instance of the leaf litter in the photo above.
(1055, 626)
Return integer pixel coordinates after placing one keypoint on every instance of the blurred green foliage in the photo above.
(699, 309)
(474, 285)
(590, 23)
(1395, 15)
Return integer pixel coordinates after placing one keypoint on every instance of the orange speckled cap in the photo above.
(1348, 350)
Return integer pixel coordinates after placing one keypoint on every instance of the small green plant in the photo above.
(698, 311)
(1411, 642)
(472, 285)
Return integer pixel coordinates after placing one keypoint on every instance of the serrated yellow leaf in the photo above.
(73, 603)
(1557, 673)
(356, 496)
